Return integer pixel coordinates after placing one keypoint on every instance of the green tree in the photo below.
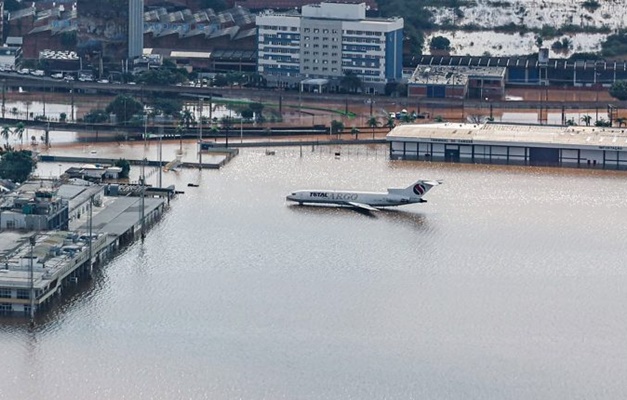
(337, 127)
(220, 80)
(586, 119)
(179, 133)
(17, 165)
(96, 116)
(355, 131)
(166, 105)
(19, 132)
(163, 76)
(124, 107)
(439, 43)
(391, 123)
(257, 108)
(125, 165)
(188, 118)
(247, 113)
(6, 133)
(621, 121)
(350, 82)
(373, 123)
(62, 117)
(619, 90)
(227, 123)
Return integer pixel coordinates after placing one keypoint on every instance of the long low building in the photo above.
(571, 146)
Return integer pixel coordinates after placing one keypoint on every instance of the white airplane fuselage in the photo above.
(365, 200)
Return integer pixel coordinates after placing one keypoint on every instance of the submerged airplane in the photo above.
(369, 201)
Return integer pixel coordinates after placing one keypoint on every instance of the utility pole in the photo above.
(160, 154)
(142, 203)
(72, 99)
(32, 280)
(200, 131)
(4, 95)
(91, 230)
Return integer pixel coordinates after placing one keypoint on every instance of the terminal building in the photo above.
(519, 144)
(457, 82)
(326, 41)
(530, 71)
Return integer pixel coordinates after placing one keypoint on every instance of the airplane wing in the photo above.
(362, 206)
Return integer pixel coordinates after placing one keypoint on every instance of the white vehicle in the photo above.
(103, 81)
(57, 76)
(68, 78)
(24, 71)
(37, 72)
(368, 201)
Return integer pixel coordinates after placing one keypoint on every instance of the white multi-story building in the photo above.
(328, 40)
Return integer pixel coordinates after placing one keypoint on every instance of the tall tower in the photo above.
(135, 28)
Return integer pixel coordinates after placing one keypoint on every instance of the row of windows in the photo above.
(360, 48)
(316, 61)
(318, 30)
(317, 46)
(279, 28)
(279, 50)
(274, 42)
(360, 40)
(324, 38)
(324, 54)
(306, 68)
(367, 33)
(281, 36)
(279, 58)
(5, 293)
(362, 64)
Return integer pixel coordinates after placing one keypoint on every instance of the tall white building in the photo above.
(327, 40)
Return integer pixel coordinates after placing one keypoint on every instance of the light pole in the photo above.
(31, 241)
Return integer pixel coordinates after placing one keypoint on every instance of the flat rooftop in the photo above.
(447, 75)
(592, 137)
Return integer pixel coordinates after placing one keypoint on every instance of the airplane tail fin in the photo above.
(418, 188)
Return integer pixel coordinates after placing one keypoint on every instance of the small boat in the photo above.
(192, 185)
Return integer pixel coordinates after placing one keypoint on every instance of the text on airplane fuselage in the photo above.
(334, 196)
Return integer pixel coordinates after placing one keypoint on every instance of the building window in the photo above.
(23, 294)
(5, 293)
(306, 30)
(5, 307)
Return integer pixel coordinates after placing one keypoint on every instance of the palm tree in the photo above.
(373, 123)
(586, 119)
(337, 127)
(179, 133)
(226, 125)
(19, 132)
(390, 124)
(187, 117)
(5, 133)
(355, 132)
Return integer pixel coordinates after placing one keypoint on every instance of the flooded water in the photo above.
(508, 284)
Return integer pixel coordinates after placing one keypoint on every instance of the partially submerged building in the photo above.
(520, 144)
(457, 82)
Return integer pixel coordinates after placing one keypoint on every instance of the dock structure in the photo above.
(505, 143)
(36, 267)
